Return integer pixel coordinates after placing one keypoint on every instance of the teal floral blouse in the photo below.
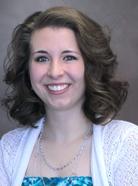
(58, 181)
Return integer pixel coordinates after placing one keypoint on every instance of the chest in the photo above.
(60, 160)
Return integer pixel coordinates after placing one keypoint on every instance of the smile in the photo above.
(57, 88)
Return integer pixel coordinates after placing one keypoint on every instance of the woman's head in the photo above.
(103, 96)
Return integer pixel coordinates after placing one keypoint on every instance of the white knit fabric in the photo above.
(114, 154)
(120, 145)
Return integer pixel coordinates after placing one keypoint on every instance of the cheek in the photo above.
(35, 73)
(79, 72)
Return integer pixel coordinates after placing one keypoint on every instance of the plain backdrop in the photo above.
(121, 16)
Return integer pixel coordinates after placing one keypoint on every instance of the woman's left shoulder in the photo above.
(121, 129)
(119, 136)
(120, 145)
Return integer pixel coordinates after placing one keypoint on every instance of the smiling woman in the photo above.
(60, 67)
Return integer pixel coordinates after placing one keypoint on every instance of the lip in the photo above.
(57, 88)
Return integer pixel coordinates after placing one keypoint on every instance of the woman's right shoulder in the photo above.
(10, 144)
(12, 139)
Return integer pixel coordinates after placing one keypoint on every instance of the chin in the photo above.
(63, 106)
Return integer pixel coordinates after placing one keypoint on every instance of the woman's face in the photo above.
(57, 68)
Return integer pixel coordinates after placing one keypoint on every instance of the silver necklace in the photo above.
(70, 162)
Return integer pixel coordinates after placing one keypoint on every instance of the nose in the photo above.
(55, 70)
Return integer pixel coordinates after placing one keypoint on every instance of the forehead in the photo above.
(53, 36)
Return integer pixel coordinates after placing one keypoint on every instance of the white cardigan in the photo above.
(114, 154)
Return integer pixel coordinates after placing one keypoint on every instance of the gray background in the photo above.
(120, 15)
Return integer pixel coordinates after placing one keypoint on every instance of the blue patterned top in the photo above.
(58, 181)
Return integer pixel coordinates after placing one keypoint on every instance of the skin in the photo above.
(57, 68)
(57, 76)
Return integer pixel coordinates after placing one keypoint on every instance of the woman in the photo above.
(61, 70)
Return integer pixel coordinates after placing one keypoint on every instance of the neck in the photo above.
(66, 125)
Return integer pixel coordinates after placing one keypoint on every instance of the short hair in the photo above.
(104, 96)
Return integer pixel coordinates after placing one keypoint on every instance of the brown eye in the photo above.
(41, 59)
(70, 58)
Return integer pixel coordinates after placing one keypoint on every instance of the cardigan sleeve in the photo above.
(4, 180)
(126, 167)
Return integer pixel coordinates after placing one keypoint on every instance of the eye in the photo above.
(69, 58)
(41, 59)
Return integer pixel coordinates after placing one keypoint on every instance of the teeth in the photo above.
(57, 87)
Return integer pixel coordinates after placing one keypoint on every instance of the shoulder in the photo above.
(118, 132)
(115, 132)
(116, 136)
(12, 146)
(13, 138)
(119, 124)
(119, 128)
(9, 145)
(120, 144)
(10, 142)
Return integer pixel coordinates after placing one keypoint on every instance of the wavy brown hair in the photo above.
(104, 96)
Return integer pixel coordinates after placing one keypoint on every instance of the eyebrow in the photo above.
(64, 52)
(40, 51)
(70, 51)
